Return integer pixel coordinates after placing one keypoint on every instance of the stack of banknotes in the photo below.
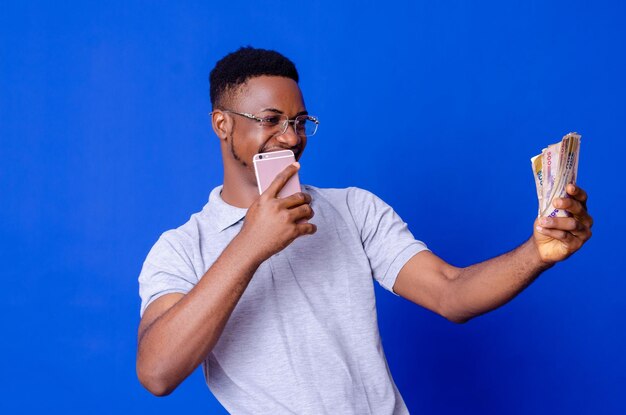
(555, 168)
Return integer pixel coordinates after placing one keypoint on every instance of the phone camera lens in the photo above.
(260, 157)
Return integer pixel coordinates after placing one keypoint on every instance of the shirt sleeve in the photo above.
(387, 240)
(168, 268)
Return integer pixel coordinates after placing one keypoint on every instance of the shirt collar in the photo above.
(221, 213)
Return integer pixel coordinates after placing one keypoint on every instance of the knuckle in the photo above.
(577, 206)
(572, 224)
(281, 179)
(273, 205)
(294, 232)
(283, 175)
(565, 203)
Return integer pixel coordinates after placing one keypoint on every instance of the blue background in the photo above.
(436, 107)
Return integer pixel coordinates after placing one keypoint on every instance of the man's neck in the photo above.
(239, 192)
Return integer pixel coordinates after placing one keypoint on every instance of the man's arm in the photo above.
(178, 331)
(460, 294)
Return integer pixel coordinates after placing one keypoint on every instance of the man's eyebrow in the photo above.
(305, 112)
(272, 110)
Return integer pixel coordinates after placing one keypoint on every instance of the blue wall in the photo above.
(437, 107)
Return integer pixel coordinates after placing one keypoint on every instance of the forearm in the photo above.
(488, 285)
(180, 339)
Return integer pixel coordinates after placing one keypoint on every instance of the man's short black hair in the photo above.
(237, 67)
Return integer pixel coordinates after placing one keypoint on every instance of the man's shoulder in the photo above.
(184, 237)
(352, 197)
(343, 193)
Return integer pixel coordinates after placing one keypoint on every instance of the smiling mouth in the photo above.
(296, 151)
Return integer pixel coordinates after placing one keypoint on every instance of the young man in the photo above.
(282, 313)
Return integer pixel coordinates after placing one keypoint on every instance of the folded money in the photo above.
(553, 169)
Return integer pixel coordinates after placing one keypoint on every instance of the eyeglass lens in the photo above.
(302, 124)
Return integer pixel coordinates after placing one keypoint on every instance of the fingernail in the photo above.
(544, 221)
(296, 164)
(539, 228)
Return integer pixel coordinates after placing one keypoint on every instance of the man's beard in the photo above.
(234, 152)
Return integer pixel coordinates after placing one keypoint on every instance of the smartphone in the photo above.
(268, 165)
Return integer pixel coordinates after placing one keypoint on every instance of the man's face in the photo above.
(264, 96)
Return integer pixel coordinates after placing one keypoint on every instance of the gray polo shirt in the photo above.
(303, 338)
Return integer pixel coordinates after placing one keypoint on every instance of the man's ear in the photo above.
(220, 123)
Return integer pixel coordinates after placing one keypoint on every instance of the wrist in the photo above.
(537, 260)
(247, 250)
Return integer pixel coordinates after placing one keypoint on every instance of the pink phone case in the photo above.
(268, 165)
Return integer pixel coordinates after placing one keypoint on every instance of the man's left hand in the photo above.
(557, 238)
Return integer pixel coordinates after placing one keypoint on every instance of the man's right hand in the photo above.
(271, 223)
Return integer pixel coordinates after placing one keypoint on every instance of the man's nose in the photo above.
(289, 137)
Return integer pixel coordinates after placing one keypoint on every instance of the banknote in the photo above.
(553, 170)
(537, 164)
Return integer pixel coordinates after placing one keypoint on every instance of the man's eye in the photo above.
(271, 121)
(301, 124)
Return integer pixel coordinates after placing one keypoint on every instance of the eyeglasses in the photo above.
(303, 125)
